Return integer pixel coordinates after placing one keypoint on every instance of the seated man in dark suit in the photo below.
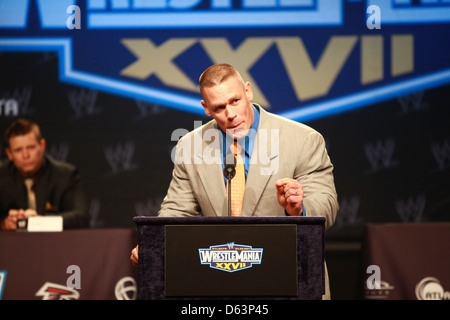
(55, 186)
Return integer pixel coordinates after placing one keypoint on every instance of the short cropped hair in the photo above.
(21, 127)
(216, 74)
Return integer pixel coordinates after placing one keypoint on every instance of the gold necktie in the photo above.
(31, 196)
(238, 182)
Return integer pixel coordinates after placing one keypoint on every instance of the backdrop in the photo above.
(113, 85)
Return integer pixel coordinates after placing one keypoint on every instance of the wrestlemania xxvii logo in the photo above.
(230, 257)
(306, 59)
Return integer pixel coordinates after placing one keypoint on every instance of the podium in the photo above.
(231, 258)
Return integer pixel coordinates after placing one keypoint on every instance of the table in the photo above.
(413, 261)
(84, 264)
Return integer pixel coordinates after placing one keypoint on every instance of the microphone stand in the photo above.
(229, 172)
(229, 197)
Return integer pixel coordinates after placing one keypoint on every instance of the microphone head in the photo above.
(229, 170)
(230, 160)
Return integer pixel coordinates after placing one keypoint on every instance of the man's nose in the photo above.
(230, 113)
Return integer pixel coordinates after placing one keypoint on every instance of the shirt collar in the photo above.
(247, 141)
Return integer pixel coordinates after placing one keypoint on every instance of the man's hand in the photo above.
(10, 222)
(135, 256)
(29, 213)
(290, 196)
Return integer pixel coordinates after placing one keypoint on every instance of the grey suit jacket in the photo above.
(282, 149)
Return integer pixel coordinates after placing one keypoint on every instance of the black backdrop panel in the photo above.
(391, 159)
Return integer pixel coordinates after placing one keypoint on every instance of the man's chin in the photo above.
(237, 134)
(28, 172)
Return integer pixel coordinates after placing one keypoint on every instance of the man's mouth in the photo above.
(234, 127)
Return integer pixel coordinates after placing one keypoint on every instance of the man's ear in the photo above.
(8, 154)
(205, 107)
(249, 91)
(43, 144)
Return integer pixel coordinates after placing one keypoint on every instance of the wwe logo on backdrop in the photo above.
(348, 212)
(380, 154)
(412, 102)
(149, 208)
(148, 109)
(15, 102)
(411, 210)
(441, 153)
(47, 56)
(120, 157)
(59, 152)
(83, 102)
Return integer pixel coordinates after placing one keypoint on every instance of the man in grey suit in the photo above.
(288, 170)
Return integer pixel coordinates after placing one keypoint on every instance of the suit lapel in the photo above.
(213, 183)
(261, 162)
(209, 167)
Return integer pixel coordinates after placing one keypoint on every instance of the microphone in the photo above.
(230, 166)
(229, 172)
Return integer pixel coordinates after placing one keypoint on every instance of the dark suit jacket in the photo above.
(58, 191)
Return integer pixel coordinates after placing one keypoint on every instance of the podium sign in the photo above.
(231, 257)
(231, 260)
